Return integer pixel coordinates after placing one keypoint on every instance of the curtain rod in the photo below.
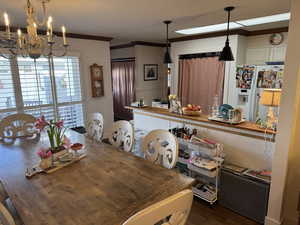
(200, 55)
(123, 59)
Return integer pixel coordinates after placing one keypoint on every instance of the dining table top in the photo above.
(105, 188)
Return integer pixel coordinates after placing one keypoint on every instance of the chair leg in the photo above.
(13, 211)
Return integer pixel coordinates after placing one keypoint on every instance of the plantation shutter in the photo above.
(36, 87)
(7, 92)
(68, 90)
(35, 93)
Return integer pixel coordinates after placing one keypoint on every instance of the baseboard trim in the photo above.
(290, 221)
(270, 221)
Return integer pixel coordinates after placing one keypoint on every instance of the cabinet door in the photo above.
(244, 196)
(257, 56)
(277, 54)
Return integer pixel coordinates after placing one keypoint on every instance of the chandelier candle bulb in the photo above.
(20, 37)
(63, 29)
(6, 21)
(50, 29)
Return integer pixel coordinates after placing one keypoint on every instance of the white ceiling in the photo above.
(141, 20)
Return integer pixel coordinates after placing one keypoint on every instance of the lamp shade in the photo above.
(270, 97)
(226, 54)
(167, 58)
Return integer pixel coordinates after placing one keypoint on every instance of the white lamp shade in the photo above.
(271, 97)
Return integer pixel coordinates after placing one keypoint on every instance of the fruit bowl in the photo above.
(186, 111)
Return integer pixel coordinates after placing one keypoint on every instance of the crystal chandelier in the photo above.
(31, 43)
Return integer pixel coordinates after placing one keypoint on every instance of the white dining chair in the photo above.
(161, 147)
(171, 211)
(18, 126)
(122, 135)
(3, 193)
(95, 127)
(5, 216)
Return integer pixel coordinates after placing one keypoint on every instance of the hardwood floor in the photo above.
(203, 214)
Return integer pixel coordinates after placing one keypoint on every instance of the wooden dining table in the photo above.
(105, 188)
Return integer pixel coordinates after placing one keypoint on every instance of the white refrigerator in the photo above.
(251, 80)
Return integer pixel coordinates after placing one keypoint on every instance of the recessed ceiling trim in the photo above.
(231, 32)
(265, 19)
(236, 24)
(209, 29)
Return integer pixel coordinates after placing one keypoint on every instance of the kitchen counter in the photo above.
(246, 128)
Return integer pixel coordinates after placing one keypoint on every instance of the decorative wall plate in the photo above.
(276, 39)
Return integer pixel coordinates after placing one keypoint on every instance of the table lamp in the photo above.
(271, 98)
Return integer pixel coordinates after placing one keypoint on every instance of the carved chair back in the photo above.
(171, 211)
(160, 146)
(122, 135)
(95, 127)
(18, 126)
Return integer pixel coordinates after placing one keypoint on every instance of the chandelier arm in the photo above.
(50, 44)
(64, 53)
(13, 53)
(6, 56)
(23, 55)
(44, 9)
(45, 14)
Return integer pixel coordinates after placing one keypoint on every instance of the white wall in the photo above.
(122, 53)
(150, 89)
(95, 52)
(259, 50)
(287, 154)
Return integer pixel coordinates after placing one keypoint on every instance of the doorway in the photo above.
(123, 76)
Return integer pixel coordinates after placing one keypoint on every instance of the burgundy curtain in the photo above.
(200, 79)
(123, 88)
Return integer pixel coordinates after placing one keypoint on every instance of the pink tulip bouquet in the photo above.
(44, 153)
(55, 131)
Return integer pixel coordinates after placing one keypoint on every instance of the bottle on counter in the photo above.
(141, 102)
(215, 107)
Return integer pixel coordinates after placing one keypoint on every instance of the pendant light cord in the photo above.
(167, 36)
(228, 22)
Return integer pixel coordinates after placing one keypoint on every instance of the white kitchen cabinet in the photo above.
(259, 56)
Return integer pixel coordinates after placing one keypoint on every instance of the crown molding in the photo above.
(70, 35)
(232, 32)
(134, 43)
(269, 31)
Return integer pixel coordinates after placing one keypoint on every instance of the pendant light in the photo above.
(167, 58)
(226, 54)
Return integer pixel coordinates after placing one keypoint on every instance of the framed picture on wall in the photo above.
(150, 72)
(97, 80)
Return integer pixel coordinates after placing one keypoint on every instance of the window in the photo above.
(31, 89)
(7, 93)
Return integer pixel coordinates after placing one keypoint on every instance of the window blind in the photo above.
(68, 90)
(67, 79)
(7, 93)
(36, 87)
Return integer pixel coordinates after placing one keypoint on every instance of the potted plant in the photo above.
(56, 134)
